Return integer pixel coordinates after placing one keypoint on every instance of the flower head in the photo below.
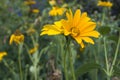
(17, 37)
(56, 11)
(52, 2)
(30, 31)
(105, 4)
(79, 26)
(30, 2)
(2, 54)
(35, 10)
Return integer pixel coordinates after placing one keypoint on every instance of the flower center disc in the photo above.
(75, 31)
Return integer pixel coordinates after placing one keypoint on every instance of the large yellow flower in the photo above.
(17, 37)
(56, 11)
(79, 26)
(2, 54)
(105, 4)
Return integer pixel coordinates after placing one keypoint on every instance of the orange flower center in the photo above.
(75, 31)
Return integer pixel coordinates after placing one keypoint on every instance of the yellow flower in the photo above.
(17, 37)
(65, 5)
(33, 50)
(52, 2)
(99, 23)
(35, 10)
(2, 54)
(105, 4)
(79, 26)
(30, 2)
(56, 11)
(30, 31)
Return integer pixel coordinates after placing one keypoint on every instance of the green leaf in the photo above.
(86, 68)
(113, 38)
(104, 30)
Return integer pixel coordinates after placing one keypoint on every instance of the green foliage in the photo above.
(104, 30)
(116, 71)
(56, 56)
(86, 68)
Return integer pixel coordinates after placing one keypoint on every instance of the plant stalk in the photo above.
(19, 60)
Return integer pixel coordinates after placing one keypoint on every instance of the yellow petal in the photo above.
(91, 34)
(88, 40)
(83, 19)
(2, 54)
(66, 27)
(79, 41)
(50, 30)
(58, 24)
(46, 27)
(69, 15)
(82, 44)
(11, 39)
(88, 27)
(76, 17)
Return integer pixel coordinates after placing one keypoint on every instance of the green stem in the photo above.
(108, 78)
(35, 68)
(28, 53)
(103, 17)
(72, 67)
(65, 67)
(98, 50)
(11, 70)
(19, 60)
(115, 57)
(71, 59)
(36, 60)
(106, 60)
(63, 56)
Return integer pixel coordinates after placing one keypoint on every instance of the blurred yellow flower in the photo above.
(105, 3)
(65, 5)
(52, 2)
(79, 26)
(33, 50)
(56, 11)
(35, 10)
(99, 23)
(2, 54)
(30, 2)
(30, 31)
(17, 37)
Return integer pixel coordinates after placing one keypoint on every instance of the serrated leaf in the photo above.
(104, 30)
(86, 68)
